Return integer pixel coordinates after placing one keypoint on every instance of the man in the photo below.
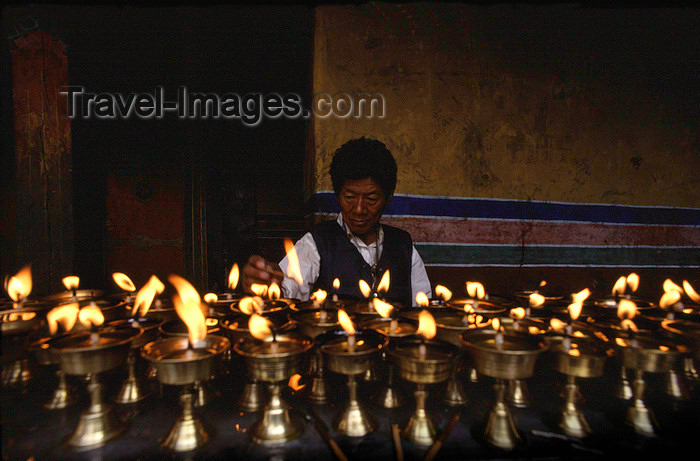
(355, 246)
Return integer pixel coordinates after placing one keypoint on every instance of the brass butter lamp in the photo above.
(577, 358)
(273, 358)
(645, 354)
(185, 360)
(423, 360)
(178, 363)
(503, 357)
(89, 353)
(351, 352)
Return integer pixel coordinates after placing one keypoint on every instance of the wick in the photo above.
(274, 346)
(323, 315)
(335, 298)
(351, 343)
(94, 336)
(422, 349)
(393, 326)
(499, 338)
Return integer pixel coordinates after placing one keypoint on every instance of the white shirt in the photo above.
(310, 263)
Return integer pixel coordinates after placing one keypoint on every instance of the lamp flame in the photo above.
(249, 305)
(535, 300)
(365, 289)
(384, 283)
(123, 281)
(259, 327)
(575, 310)
(18, 316)
(496, 324)
(543, 283)
(557, 324)
(443, 292)
(581, 296)
(345, 322)
(670, 285)
(426, 325)
(145, 296)
(517, 313)
(633, 281)
(383, 308)
(476, 290)
(273, 291)
(233, 276)
(293, 270)
(669, 298)
(690, 291)
(628, 324)
(620, 285)
(66, 315)
(187, 305)
(19, 285)
(626, 309)
(294, 382)
(319, 295)
(91, 315)
(259, 289)
(336, 283)
(71, 282)
(422, 299)
(211, 298)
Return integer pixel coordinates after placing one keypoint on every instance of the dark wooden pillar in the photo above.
(43, 152)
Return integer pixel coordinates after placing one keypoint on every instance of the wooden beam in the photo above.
(43, 153)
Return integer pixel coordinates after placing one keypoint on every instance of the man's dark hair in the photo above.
(364, 158)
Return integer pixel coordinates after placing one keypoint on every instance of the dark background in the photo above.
(242, 172)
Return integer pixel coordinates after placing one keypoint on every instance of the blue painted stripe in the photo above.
(544, 255)
(484, 208)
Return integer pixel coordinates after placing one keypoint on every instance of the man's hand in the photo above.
(259, 270)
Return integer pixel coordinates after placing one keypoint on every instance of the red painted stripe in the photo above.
(543, 233)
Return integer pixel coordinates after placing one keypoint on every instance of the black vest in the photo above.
(340, 259)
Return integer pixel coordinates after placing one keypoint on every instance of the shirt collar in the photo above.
(353, 238)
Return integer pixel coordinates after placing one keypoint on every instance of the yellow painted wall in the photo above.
(551, 102)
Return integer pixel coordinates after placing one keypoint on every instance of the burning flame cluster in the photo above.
(67, 315)
(673, 294)
(631, 282)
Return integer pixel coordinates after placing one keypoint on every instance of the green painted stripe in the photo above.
(433, 254)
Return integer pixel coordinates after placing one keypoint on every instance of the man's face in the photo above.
(362, 203)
